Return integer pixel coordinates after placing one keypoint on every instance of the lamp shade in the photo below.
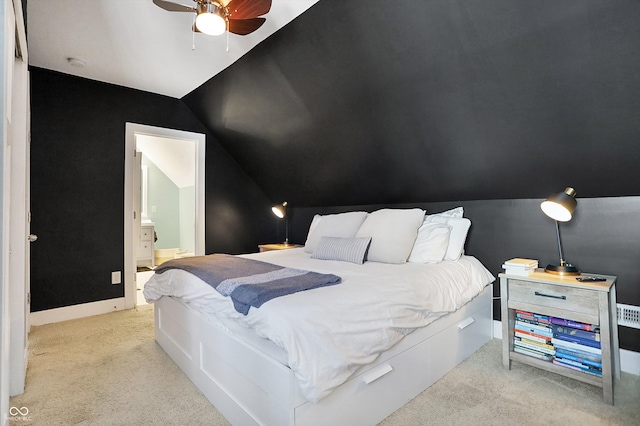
(280, 210)
(560, 206)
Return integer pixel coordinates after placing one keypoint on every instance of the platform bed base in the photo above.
(250, 388)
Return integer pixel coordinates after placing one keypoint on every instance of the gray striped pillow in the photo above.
(352, 250)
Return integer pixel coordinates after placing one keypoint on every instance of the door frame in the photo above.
(130, 244)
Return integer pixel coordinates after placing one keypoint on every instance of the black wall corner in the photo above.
(77, 186)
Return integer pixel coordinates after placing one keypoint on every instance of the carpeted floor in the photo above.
(108, 370)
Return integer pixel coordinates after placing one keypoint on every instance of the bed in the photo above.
(343, 354)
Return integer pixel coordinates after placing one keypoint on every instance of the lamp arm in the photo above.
(562, 262)
(286, 230)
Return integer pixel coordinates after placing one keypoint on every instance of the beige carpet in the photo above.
(107, 370)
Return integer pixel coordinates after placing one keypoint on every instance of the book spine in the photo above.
(579, 354)
(533, 353)
(532, 336)
(576, 339)
(531, 326)
(533, 331)
(532, 342)
(533, 316)
(573, 324)
(583, 334)
(593, 364)
(558, 343)
(581, 368)
(533, 347)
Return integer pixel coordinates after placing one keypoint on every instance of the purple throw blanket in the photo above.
(248, 282)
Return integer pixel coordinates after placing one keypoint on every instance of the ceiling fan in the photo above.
(214, 17)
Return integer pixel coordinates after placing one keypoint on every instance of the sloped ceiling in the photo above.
(174, 157)
(134, 43)
(362, 102)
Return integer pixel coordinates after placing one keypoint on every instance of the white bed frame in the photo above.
(250, 388)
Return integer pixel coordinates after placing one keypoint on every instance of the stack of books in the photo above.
(519, 266)
(567, 343)
(577, 345)
(533, 335)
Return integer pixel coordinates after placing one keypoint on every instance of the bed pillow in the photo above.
(459, 230)
(344, 225)
(392, 232)
(457, 212)
(352, 250)
(431, 244)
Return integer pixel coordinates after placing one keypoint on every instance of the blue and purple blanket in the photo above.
(248, 282)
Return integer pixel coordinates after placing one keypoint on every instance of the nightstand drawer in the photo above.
(561, 297)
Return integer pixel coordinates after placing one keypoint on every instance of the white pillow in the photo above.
(344, 225)
(459, 229)
(431, 244)
(352, 250)
(392, 232)
(457, 212)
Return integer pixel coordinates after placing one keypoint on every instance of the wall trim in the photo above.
(629, 360)
(76, 311)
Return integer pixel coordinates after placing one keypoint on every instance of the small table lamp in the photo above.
(280, 210)
(560, 208)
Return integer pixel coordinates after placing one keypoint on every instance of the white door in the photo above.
(17, 122)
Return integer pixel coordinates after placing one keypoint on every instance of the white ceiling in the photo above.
(175, 157)
(134, 43)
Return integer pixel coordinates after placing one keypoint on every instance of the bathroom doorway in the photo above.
(164, 201)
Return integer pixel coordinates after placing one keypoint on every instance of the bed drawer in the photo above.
(454, 344)
(555, 296)
(377, 392)
(373, 394)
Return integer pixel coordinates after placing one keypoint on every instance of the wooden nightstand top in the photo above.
(281, 246)
(539, 275)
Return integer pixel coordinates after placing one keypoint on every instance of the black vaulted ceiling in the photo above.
(371, 101)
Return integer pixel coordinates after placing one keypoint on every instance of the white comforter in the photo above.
(329, 332)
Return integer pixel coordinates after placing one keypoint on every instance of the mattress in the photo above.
(324, 335)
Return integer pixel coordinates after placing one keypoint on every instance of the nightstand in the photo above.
(563, 297)
(281, 246)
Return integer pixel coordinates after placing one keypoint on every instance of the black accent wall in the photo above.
(77, 186)
(371, 101)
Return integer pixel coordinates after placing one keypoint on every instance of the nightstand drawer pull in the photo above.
(537, 293)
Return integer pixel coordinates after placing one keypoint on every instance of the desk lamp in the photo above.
(560, 208)
(280, 210)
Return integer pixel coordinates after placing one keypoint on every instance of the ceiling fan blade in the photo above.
(173, 7)
(247, 9)
(245, 26)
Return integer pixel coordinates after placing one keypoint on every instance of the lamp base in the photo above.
(566, 269)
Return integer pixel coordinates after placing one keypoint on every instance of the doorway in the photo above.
(164, 193)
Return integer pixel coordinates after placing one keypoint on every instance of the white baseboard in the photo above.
(629, 360)
(76, 311)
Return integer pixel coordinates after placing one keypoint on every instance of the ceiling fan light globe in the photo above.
(211, 23)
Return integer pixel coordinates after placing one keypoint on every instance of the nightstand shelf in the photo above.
(563, 297)
(281, 246)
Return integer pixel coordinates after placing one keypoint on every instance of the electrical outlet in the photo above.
(116, 277)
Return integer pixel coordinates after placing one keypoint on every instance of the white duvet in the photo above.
(329, 332)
